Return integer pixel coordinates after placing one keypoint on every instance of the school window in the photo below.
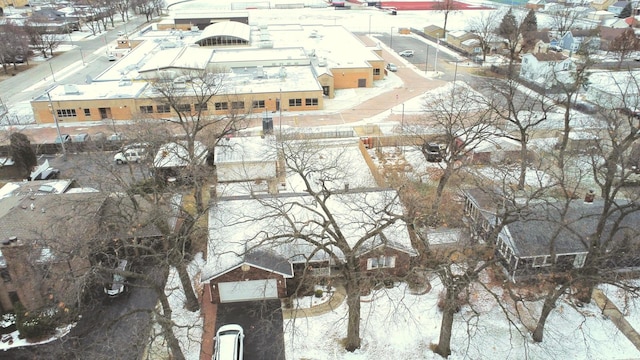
(200, 107)
(66, 113)
(311, 102)
(381, 262)
(222, 106)
(295, 102)
(258, 104)
(163, 108)
(183, 107)
(376, 71)
(237, 105)
(87, 112)
(146, 109)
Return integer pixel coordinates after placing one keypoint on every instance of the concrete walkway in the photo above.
(614, 314)
(336, 299)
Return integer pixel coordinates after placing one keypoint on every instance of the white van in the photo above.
(130, 155)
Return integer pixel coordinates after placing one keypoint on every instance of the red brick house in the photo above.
(252, 255)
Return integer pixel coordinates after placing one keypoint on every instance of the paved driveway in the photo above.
(262, 324)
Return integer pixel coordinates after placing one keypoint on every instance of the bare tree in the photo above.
(13, 44)
(446, 7)
(625, 44)
(563, 19)
(194, 117)
(484, 29)
(461, 121)
(520, 108)
(333, 221)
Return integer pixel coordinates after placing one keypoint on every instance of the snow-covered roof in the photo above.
(245, 158)
(240, 227)
(176, 154)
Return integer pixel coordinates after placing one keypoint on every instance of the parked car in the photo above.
(130, 155)
(117, 284)
(116, 137)
(63, 138)
(392, 67)
(406, 53)
(229, 343)
(81, 138)
(111, 57)
(434, 152)
(120, 33)
(555, 48)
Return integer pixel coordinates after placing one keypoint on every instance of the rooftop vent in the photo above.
(71, 89)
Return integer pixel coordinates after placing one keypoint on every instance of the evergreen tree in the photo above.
(530, 22)
(508, 26)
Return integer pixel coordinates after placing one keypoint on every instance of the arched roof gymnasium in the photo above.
(225, 33)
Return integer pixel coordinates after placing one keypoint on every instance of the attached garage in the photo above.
(249, 290)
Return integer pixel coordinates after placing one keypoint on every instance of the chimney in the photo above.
(589, 197)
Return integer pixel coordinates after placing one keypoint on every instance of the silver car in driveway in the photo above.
(229, 343)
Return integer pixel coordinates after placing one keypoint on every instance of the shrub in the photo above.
(36, 324)
(318, 293)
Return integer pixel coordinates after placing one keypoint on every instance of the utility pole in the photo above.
(55, 119)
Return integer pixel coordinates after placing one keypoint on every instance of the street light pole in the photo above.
(55, 119)
(426, 62)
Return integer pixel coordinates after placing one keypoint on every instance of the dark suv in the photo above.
(434, 152)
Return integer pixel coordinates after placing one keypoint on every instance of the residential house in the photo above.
(546, 69)
(250, 256)
(535, 4)
(601, 5)
(45, 248)
(248, 158)
(532, 239)
(574, 39)
(617, 7)
(456, 37)
(51, 241)
(434, 31)
(608, 35)
(172, 158)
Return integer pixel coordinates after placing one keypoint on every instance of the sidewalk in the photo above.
(612, 312)
(336, 299)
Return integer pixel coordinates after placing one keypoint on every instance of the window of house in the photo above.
(236, 105)
(381, 262)
(539, 261)
(87, 112)
(376, 71)
(4, 273)
(201, 107)
(295, 102)
(163, 108)
(221, 106)
(183, 107)
(258, 104)
(66, 113)
(311, 102)
(146, 109)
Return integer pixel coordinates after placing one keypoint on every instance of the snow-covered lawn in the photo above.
(400, 325)
(627, 303)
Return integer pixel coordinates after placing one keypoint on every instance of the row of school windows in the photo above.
(218, 106)
(165, 108)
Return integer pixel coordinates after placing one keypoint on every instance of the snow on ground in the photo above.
(628, 304)
(16, 342)
(188, 325)
(401, 325)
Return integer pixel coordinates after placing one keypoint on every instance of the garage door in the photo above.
(248, 290)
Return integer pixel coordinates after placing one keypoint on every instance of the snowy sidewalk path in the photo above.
(612, 312)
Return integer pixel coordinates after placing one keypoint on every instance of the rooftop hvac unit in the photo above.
(70, 89)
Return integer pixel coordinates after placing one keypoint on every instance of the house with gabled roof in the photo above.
(249, 260)
(546, 69)
(532, 238)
